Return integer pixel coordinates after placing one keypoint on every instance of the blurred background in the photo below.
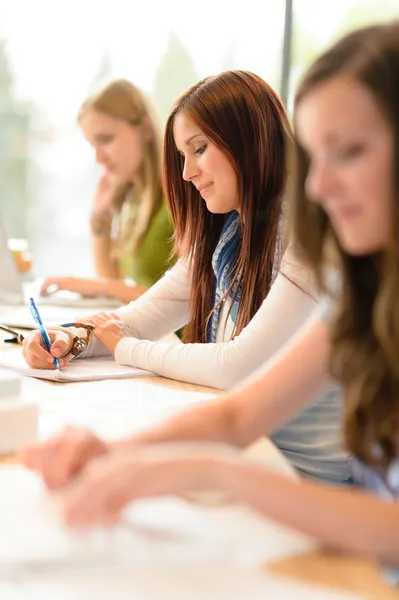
(52, 54)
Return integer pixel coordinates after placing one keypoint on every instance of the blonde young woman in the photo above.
(130, 226)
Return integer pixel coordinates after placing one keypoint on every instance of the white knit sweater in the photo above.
(164, 308)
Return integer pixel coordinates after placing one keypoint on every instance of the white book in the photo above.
(88, 369)
(163, 548)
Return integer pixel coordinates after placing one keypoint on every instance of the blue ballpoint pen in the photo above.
(43, 330)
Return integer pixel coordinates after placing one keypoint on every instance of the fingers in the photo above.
(50, 286)
(99, 495)
(98, 318)
(30, 456)
(64, 455)
(61, 343)
(109, 483)
(33, 456)
(36, 354)
(49, 462)
(99, 321)
(108, 328)
(82, 447)
(103, 321)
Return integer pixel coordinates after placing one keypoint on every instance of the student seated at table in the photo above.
(225, 179)
(345, 205)
(131, 229)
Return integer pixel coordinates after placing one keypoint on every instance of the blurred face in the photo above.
(205, 166)
(351, 150)
(119, 146)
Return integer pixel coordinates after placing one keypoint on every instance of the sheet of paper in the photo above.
(163, 548)
(219, 583)
(67, 298)
(159, 532)
(112, 408)
(19, 316)
(90, 369)
(115, 409)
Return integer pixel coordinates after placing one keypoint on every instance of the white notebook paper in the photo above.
(156, 532)
(164, 548)
(88, 369)
(210, 583)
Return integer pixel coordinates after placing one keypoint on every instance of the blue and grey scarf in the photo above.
(223, 261)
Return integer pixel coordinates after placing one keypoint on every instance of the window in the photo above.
(317, 24)
(52, 54)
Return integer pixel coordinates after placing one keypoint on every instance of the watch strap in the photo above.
(78, 343)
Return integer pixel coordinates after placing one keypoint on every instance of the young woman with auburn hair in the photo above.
(225, 178)
(255, 146)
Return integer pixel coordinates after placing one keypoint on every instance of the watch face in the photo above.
(79, 346)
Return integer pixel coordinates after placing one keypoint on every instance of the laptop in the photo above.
(60, 307)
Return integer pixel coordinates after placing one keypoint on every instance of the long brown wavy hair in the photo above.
(365, 325)
(243, 116)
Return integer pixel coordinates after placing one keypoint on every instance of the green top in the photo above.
(153, 256)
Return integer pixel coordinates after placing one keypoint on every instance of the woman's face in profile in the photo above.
(350, 147)
(205, 166)
(118, 145)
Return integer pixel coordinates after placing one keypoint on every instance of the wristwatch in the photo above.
(80, 338)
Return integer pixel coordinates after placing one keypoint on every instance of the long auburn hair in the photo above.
(365, 325)
(121, 99)
(244, 117)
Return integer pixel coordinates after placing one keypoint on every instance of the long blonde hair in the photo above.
(122, 100)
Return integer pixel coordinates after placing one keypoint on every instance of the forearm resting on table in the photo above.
(272, 397)
(258, 408)
(349, 520)
(117, 288)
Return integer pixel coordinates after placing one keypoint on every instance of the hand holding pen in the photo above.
(43, 330)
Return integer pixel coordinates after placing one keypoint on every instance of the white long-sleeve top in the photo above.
(312, 440)
(164, 308)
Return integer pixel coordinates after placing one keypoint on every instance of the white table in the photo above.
(145, 401)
